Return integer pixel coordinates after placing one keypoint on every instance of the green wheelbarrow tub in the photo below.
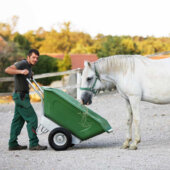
(68, 113)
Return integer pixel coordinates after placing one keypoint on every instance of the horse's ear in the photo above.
(86, 63)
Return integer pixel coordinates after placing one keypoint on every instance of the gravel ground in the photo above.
(100, 152)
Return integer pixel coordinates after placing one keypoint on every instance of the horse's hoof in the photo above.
(124, 147)
(132, 147)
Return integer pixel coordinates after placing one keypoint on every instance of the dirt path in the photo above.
(101, 152)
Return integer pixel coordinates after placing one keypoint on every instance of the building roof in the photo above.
(159, 57)
(77, 60)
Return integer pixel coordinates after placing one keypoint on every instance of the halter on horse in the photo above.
(91, 89)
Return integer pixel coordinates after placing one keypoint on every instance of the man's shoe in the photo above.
(18, 147)
(38, 148)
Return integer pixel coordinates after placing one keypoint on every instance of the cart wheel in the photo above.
(60, 139)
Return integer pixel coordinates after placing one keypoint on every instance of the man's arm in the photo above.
(13, 70)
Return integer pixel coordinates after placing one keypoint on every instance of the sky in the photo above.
(108, 17)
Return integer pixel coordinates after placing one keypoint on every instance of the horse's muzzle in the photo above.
(86, 98)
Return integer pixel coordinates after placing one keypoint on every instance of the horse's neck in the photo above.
(108, 78)
(105, 73)
(118, 64)
(115, 67)
(101, 66)
(104, 66)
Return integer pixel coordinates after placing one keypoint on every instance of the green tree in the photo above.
(83, 43)
(22, 42)
(129, 46)
(66, 41)
(51, 43)
(80, 49)
(31, 37)
(9, 54)
(65, 64)
(46, 64)
(35, 37)
(110, 46)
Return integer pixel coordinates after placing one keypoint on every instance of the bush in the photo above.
(9, 54)
(46, 64)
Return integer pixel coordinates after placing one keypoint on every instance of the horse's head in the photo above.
(90, 82)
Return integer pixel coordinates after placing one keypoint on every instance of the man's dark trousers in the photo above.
(23, 112)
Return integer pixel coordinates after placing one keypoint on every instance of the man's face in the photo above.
(33, 59)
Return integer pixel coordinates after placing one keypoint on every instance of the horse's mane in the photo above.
(118, 63)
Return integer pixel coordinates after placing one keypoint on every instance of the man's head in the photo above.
(33, 56)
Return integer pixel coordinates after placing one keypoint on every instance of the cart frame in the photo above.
(59, 138)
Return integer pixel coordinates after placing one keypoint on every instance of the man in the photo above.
(23, 108)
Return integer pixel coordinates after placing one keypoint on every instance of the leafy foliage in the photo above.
(9, 53)
(22, 42)
(65, 64)
(71, 42)
(46, 64)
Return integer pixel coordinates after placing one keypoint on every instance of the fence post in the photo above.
(78, 83)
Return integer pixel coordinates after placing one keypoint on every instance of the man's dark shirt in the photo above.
(21, 84)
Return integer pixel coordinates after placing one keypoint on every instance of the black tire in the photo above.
(60, 139)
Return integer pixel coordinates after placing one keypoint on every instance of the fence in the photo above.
(45, 75)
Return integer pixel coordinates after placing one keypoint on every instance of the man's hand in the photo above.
(24, 72)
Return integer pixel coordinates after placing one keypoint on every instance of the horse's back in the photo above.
(154, 80)
(155, 68)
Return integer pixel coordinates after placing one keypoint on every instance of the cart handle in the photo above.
(29, 81)
(40, 94)
(38, 85)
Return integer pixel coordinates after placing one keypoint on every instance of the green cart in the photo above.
(68, 121)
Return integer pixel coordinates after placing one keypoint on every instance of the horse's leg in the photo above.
(134, 102)
(129, 126)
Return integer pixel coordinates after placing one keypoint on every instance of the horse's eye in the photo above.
(89, 78)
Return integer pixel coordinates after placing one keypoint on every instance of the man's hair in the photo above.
(33, 51)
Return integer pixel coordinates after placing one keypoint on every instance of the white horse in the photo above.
(136, 78)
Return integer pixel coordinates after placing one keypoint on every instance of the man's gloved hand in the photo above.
(24, 72)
